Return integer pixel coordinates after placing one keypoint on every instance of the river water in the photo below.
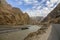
(20, 34)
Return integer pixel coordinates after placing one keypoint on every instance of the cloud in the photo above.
(34, 12)
(41, 10)
(37, 12)
(27, 2)
(15, 0)
(19, 2)
(53, 1)
(38, 8)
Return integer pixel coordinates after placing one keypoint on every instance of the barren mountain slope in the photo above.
(12, 16)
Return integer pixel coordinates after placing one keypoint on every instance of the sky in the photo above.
(35, 7)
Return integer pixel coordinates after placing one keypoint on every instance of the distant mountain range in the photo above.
(36, 20)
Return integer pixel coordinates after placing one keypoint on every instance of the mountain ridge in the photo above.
(11, 15)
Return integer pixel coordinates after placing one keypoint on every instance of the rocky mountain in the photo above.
(11, 15)
(36, 20)
(53, 16)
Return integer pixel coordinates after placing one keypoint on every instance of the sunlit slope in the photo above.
(11, 15)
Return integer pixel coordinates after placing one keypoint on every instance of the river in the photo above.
(20, 34)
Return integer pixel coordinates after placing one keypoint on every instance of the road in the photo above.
(6, 30)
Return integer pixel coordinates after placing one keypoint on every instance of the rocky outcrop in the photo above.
(11, 15)
(54, 16)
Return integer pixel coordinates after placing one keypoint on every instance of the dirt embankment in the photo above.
(40, 34)
(52, 33)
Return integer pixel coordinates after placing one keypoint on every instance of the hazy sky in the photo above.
(34, 7)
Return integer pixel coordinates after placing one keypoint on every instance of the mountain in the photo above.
(53, 16)
(11, 15)
(36, 20)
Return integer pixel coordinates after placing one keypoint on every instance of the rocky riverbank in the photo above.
(40, 34)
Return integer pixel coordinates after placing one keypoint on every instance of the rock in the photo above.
(11, 15)
(24, 28)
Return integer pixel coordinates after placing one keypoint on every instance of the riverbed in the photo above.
(20, 34)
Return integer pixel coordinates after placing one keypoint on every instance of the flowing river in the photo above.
(20, 34)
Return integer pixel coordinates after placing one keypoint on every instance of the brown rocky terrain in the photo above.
(11, 15)
(53, 16)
